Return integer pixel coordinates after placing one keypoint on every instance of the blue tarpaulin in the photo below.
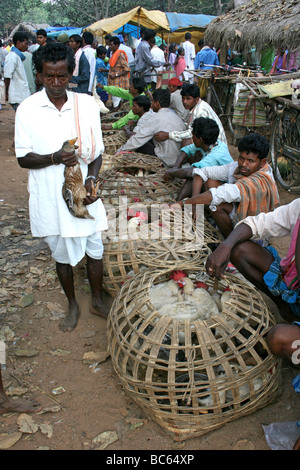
(184, 21)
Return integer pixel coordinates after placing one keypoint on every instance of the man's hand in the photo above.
(90, 192)
(218, 260)
(161, 136)
(106, 127)
(99, 85)
(66, 158)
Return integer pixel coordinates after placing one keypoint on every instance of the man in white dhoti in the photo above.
(189, 55)
(43, 123)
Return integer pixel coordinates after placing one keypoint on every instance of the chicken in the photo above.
(73, 190)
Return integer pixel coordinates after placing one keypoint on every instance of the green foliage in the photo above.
(85, 12)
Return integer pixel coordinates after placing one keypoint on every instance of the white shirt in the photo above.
(278, 223)
(157, 54)
(129, 53)
(189, 55)
(227, 192)
(202, 109)
(18, 87)
(91, 57)
(41, 128)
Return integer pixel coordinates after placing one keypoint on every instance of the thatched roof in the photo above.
(258, 23)
(29, 28)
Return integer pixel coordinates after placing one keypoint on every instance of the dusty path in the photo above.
(40, 358)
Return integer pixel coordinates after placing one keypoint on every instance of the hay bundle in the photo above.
(192, 365)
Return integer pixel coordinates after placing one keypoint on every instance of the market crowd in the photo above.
(52, 85)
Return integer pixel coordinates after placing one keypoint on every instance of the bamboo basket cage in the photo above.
(166, 239)
(113, 140)
(138, 160)
(116, 184)
(192, 376)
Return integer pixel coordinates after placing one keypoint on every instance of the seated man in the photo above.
(212, 152)
(163, 117)
(174, 87)
(277, 278)
(238, 189)
(198, 108)
(141, 106)
(136, 87)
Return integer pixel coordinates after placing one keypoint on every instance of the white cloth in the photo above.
(77, 57)
(227, 192)
(18, 87)
(144, 121)
(278, 223)
(202, 109)
(189, 55)
(72, 250)
(129, 53)
(91, 57)
(41, 128)
(157, 54)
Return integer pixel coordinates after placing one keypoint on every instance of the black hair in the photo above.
(115, 40)
(201, 43)
(188, 36)
(88, 37)
(19, 36)
(254, 143)
(180, 50)
(77, 38)
(143, 101)
(149, 34)
(172, 47)
(41, 32)
(108, 36)
(190, 89)
(139, 84)
(206, 128)
(101, 50)
(162, 96)
(53, 52)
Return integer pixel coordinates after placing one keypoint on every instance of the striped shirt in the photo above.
(202, 109)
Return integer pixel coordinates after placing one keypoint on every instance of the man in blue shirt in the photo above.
(207, 56)
(206, 150)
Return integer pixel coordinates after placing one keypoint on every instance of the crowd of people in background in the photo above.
(168, 120)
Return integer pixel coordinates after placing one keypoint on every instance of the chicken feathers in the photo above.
(73, 190)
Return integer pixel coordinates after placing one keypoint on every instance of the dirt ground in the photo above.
(41, 358)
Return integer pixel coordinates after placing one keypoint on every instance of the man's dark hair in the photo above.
(143, 101)
(115, 40)
(254, 143)
(19, 36)
(88, 37)
(201, 43)
(108, 37)
(101, 50)
(206, 128)
(190, 89)
(149, 34)
(53, 52)
(41, 32)
(139, 84)
(163, 97)
(188, 36)
(77, 38)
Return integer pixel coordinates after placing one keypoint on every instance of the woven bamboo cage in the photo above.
(192, 371)
(166, 239)
(136, 186)
(107, 162)
(113, 140)
(138, 160)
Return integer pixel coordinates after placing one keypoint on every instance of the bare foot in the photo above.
(100, 309)
(70, 321)
(8, 405)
